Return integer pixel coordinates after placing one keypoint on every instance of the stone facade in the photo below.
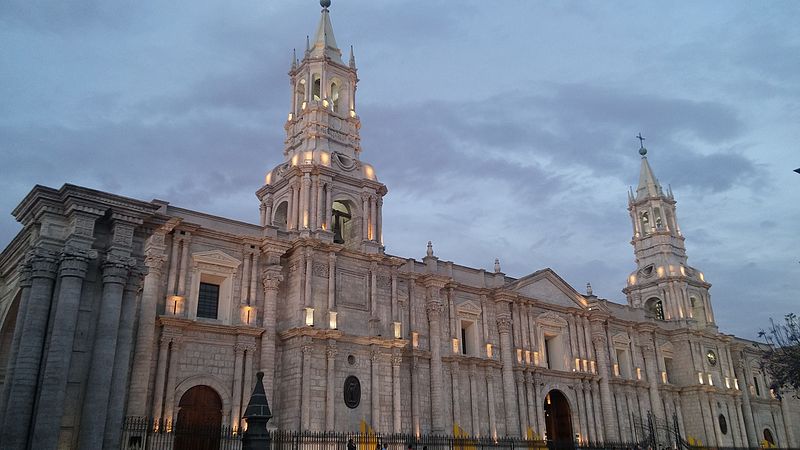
(104, 313)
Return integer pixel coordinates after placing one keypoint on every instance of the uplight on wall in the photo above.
(616, 370)
(664, 377)
(736, 384)
(309, 317)
(577, 364)
(527, 357)
(519, 355)
(176, 305)
(398, 330)
(536, 358)
(594, 367)
(455, 345)
(727, 383)
(710, 381)
(638, 373)
(332, 320)
(700, 377)
(415, 339)
(247, 313)
(489, 351)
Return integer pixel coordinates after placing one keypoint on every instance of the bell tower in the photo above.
(663, 283)
(322, 189)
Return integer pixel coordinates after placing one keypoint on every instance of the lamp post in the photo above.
(257, 415)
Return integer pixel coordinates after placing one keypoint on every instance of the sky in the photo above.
(502, 129)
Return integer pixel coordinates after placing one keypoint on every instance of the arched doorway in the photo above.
(558, 420)
(768, 438)
(199, 420)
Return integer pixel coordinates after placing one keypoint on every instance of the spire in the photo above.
(648, 183)
(352, 58)
(294, 60)
(324, 42)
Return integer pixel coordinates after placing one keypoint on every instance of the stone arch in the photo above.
(568, 393)
(204, 380)
(654, 307)
(769, 436)
(348, 230)
(280, 217)
(7, 331)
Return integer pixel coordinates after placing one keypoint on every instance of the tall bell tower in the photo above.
(322, 189)
(663, 283)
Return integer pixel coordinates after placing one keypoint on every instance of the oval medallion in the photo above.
(352, 392)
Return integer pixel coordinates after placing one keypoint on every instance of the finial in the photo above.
(352, 58)
(589, 289)
(325, 4)
(308, 46)
(642, 150)
(430, 249)
(294, 59)
(497, 265)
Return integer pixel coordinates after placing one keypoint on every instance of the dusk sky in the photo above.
(502, 129)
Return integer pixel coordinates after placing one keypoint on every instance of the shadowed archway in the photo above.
(558, 420)
(199, 420)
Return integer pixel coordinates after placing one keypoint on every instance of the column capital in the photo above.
(135, 279)
(331, 350)
(75, 262)
(396, 360)
(239, 348)
(271, 278)
(154, 261)
(504, 322)
(599, 339)
(43, 263)
(307, 349)
(434, 308)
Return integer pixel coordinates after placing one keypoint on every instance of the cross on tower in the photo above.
(641, 139)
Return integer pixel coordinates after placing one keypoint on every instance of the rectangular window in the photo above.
(668, 370)
(548, 350)
(463, 341)
(208, 301)
(755, 384)
(469, 338)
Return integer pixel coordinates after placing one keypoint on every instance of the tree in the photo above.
(781, 360)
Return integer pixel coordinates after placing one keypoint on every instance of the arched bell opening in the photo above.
(654, 308)
(558, 420)
(343, 226)
(280, 219)
(199, 420)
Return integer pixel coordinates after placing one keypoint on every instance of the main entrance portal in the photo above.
(199, 420)
(558, 418)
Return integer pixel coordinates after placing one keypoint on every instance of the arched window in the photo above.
(334, 94)
(316, 89)
(659, 222)
(644, 219)
(281, 213)
(654, 308)
(342, 222)
(300, 96)
(768, 437)
(698, 310)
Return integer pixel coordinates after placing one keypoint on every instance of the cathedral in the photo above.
(115, 308)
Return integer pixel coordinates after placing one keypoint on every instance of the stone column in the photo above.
(98, 387)
(305, 187)
(122, 360)
(365, 216)
(396, 384)
(379, 221)
(473, 396)
(236, 403)
(332, 281)
(708, 419)
(415, 388)
(319, 214)
(22, 390)
(434, 309)
(268, 204)
(305, 399)
(271, 278)
(56, 361)
(328, 207)
(315, 201)
(752, 437)
(787, 419)
(648, 351)
(245, 292)
(161, 376)
(530, 388)
(247, 383)
(490, 401)
(372, 218)
(330, 379)
(509, 392)
(184, 266)
(587, 391)
(25, 286)
(609, 417)
(455, 393)
(374, 389)
(519, 385)
(172, 378)
(714, 414)
(308, 299)
(145, 331)
(598, 412)
(291, 219)
(172, 274)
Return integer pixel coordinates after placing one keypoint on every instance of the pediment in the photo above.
(621, 338)
(469, 307)
(545, 285)
(217, 258)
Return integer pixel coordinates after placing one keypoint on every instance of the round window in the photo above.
(351, 359)
(352, 392)
(723, 424)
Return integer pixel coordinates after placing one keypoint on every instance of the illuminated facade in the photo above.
(114, 307)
